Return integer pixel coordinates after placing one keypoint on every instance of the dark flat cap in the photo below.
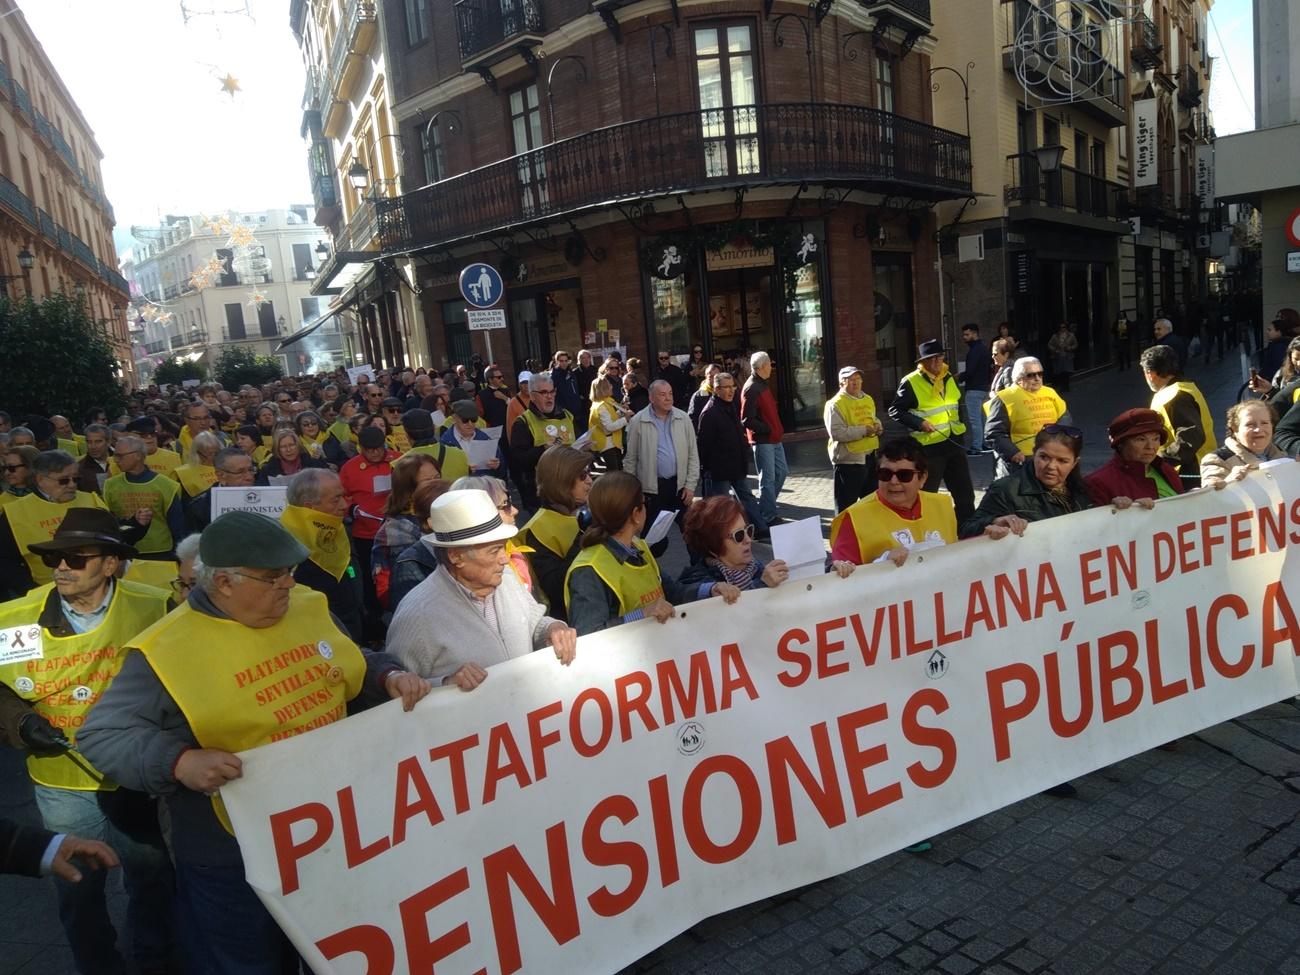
(247, 539)
(371, 437)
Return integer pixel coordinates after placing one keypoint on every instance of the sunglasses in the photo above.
(51, 560)
(1073, 432)
(64, 481)
(902, 475)
(740, 534)
(1031, 375)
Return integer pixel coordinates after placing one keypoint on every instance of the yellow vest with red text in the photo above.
(857, 411)
(75, 671)
(637, 586)
(880, 528)
(1028, 412)
(124, 497)
(34, 519)
(196, 478)
(241, 687)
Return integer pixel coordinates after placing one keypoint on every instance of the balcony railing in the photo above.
(1189, 87)
(750, 145)
(1068, 189)
(44, 128)
(82, 252)
(1148, 52)
(360, 229)
(916, 9)
(16, 200)
(357, 11)
(482, 25)
(49, 229)
(24, 102)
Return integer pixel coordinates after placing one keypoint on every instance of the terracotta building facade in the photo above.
(666, 176)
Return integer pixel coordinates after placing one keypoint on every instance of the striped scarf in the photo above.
(741, 578)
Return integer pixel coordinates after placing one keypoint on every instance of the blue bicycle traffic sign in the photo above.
(481, 285)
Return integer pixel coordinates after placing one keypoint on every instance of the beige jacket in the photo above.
(643, 445)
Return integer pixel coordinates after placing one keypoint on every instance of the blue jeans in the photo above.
(228, 931)
(743, 494)
(975, 399)
(769, 459)
(146, 873)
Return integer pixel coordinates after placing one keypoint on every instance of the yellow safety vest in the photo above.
(600, 440)
(159, 573)
(76, 446)
(34, 519)
(942, 409)
(398, 440)
(545, 428)
(341, 432)
(73, 672)
(452, 461)
(162, 461)
(196, 478)
(314, 447)
(241, 687)
(637, 586)
(323, 534)
(552, 531)
(1028, 412)
(857, 411)
(125, 497)
(880, 528)
(1162, 397)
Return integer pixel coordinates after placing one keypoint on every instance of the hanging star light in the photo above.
(230, 84)
(240, 237)
(258, 298)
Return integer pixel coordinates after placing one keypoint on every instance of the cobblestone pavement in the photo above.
(1172, 861)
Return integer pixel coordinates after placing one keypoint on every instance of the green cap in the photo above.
(247, 539)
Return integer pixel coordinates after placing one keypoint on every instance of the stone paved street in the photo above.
(1182, 861)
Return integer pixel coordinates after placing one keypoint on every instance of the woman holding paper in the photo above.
(615, 579)
(287, 457)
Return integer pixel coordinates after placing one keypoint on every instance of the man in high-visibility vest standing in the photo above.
(928, 403)
(854, 432)
(63, 646)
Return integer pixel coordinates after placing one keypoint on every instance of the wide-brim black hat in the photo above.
(82, 527)
(930, 347)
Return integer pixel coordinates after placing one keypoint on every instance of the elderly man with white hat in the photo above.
(471, 613)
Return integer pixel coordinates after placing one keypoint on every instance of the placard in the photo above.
(269, 501)
(1146, 162)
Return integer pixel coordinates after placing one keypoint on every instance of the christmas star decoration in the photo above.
(257, 299)
(240, 237)
(230, 84)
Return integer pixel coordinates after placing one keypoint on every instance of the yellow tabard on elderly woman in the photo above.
(323, 534)
(637, 586)
(240, 687)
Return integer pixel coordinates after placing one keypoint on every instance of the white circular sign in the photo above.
(24, 685)
(325, 650)
(1293, 227)
(82, 693)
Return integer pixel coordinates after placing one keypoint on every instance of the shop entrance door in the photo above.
(895, 329)
(544, 318)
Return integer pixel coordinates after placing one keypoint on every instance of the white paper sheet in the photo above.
(799, 544)
(480, 452)
(494, 432)
(659, 530)
(382, 483)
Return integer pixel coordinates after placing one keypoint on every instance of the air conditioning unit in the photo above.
(970, 248)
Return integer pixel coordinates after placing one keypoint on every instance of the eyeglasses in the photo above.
(180, 585)
(14, 467)
(1067, 431)
(904, 475)
(375, 395)
(1031, 375)
(740, 534)
(274, 580)
(51, 560)
(392, 409)
(241, 470)
(505, 506)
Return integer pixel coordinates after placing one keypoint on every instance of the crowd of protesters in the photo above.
(435, 525)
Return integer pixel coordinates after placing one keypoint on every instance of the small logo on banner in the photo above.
(690, 737)
(82, 693)
(1141, 598)
(936, 665)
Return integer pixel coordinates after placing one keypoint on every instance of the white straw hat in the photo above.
(459, 519)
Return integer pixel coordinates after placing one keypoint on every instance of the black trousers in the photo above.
(854, 481)
(948, 464)
(665, 499)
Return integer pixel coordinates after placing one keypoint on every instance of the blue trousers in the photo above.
(769, 460)
(227, 929)
(146, 873)
(743, 494)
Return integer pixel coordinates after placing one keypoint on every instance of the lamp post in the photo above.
(434, 173)
(550, 76)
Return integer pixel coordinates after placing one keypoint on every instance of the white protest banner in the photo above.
(269, 501)
(1146, 162)
(356, 372)
(570, 819)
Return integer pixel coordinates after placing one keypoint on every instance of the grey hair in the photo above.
(96, 428)
(759, 360)
(22, 431)
(492, 485)
(1021, 365)
(544, 376)
(205, 576)
(307, 486)
(129, 442)
(207, 440)
(49, 462)
(1162, 321)
(188, 548)
(662, 382)
(443, 555)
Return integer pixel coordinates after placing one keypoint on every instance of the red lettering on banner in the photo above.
(1210, 538)
(1186, 544)
(751, 809)
(944, 636)
(353, 851)
(909, 633)
(368, 940)
(1272, 524)
(454, 752)
(1239, 534)
(288, 851)
(411, 776)
(1228, 601)
(1002, 714)
(1160, 691)
(1109, 673)
(580, 744)
(786, 654)
(926, 736)
(1121, 563)
(601, 852)
(423, 952)
(1062, 727)
(688, 701)
(541, 739)
(978, 610)
(1195, 666)
(665, 838)
(557, 910)
(634, 702)
(782, 759)
(734, 676)
(502, 740)
(1275, 602)
(858, 759)
(826, 646)
(1018, 596)
(1163, 550)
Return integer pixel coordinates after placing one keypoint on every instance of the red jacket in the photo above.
(358, 477)
(1119, 478)
(758, 412)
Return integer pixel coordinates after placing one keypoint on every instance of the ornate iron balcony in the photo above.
(1189, 87)
(1068, 189)
(1148, 52)
(482, 25)
(16, 200)
(753, 145)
